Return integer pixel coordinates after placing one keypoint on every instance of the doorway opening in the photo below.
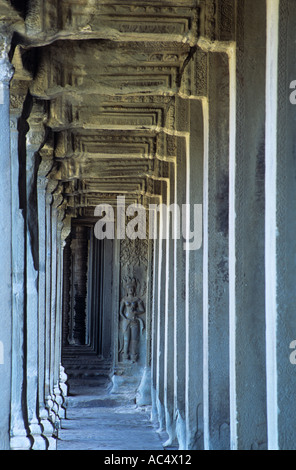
(87, 339)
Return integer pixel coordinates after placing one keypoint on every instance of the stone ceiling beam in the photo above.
(72, 68)
(109, 79)
(117, 21)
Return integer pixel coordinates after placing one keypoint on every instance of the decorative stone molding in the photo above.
(36, 134)
(217, 20)
(35, 17)
(51, 187)
(64, 390)
(66, 230)
(6, 68)
(194, 79)
(45, 166)
(17, 98)
(227, 20)
(146, 20)
(57, 198)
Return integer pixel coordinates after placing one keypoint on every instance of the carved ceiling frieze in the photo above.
(119, 20)
(104, 68)
(217, 20)
(100, 170)
(109, 77)
(112, 112)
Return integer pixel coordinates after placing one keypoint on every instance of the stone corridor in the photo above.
(147, 224)
(98, 420)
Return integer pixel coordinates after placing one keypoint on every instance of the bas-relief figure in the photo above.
(131, 307)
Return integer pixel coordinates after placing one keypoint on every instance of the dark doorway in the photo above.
(87, 341)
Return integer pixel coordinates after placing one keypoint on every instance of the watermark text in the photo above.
(1, 353)
(157, 221)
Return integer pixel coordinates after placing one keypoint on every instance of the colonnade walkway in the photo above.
(98, 420)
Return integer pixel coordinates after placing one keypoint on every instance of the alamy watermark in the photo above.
(1, 93)
(293, 353)
(293, 94)
(163, 221)
(1, 353)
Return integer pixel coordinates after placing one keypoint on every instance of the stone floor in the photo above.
(98, 420)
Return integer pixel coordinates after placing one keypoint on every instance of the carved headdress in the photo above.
(131, 282)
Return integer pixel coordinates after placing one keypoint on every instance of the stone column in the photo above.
(169, 356)
(19, 439)
(161, 299)
(66, 230)
(93, 292)
(115, 308)
(247, 230)
(182, 113)
(49, 335)
(48, 427)
(144, 391)
(155, 292)
(216, 327)
(280, 224)
(90, 317)
(6, 72)
(45, 166)
(194, 280)
(66, 291)
(59, 397)
(106, 285)
(271, 228)
(34, 140)
(54, 368)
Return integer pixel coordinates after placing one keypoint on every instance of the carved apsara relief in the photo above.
(131, 322)
(133, 269)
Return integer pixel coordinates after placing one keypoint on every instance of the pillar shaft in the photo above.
(47, 425)
(48, 293)
(18, 431)
(194, 281)
(154, 336)
(283, 225)
(180, 288)
(169, 359)
(32, 300)
(248, 357)
(5, 240)
(217, 323)
(161, 298)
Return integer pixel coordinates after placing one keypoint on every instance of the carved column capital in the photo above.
(52, 185)
(46, 153)
(6, 70)
(60, 226)
(42, 183)
(61, 216)
(57, 197)
(45, 167)
(13, 121)
(16, 102)
(49, 199)
(66, 229)
(36, 133)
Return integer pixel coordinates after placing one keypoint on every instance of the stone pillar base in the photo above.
(126, 378)
(20, 442)
(143, 397)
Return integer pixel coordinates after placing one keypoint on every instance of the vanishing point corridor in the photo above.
(147, 227)
(97, 420)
